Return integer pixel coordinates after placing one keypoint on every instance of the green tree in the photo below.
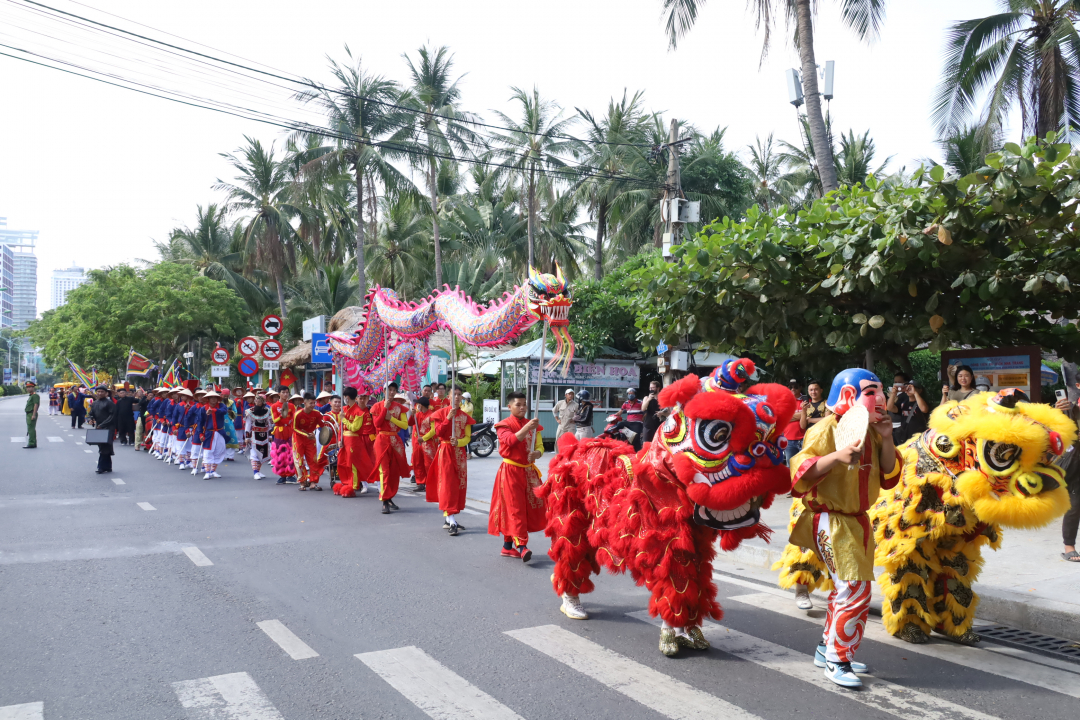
(323, 291)
(853, 162)
(864, 17)
(401, 255)
(1028, 54)
(715, 177)
(772, 186)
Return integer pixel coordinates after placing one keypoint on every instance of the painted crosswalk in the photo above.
(26, 711)
(146, 506)
(434, 688)
(287, 640)
(225, 697)
(118, 481)
(54, 438)
(197, 556)
(18, 439)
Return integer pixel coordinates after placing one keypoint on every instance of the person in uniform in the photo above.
(423, 452)
(103, 416)
(214, 419)
(390, 462)
(33, 403)
(356, 460)
(449, 470)
(515, 509)
(258, 425)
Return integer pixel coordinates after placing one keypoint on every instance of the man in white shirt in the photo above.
(564, 412)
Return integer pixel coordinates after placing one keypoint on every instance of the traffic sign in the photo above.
(271, 349)
(271, 325)
(248, 346)
(271, 365)
(247, 367)
(219, 371)
(661, 348)
(220, 356)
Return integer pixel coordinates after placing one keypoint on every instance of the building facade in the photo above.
(7, 284)
(63, 282)
(23, 282)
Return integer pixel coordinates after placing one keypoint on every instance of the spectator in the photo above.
(467, 404)
(77, 405)
(812, 411)
(583, 421)
(634, 417)
(564, 412)
(1071, 464)
(907, 401)
(125, 419)
(963, 387)
(651, 406)
(794, 431)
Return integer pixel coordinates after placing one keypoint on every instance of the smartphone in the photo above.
(1061, 395)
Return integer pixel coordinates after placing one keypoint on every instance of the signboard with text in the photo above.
(219, 371)
(491, 411)
(599, 374)
(1015, 367)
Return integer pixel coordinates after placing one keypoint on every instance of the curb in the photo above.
(998, 607)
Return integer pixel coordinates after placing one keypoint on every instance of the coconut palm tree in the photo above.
(715, 177)
(966, 150)
(400, 258)
(264, 190)
(536, 147)
(438, 128)
(361, 115)
(323, 291)
(864, 17)
(1028, 55)
(772, 185)
(802, 162)
(854, 160)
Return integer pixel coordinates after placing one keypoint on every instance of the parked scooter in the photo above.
(483, 440)
(618, 429)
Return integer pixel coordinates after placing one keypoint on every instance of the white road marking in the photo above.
(53, 438)
(283, 636)
(472, 512)
(225, 697)
(197, 556)
(1062, 681)
(670, 697)
(434, 688)
(118, 481)
(27, 711)
(88, 451)
(879, 694)
(18, 439)
(146, 506)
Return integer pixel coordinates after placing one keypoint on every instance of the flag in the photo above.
(138, 365)
(172, 377)
(80, 375)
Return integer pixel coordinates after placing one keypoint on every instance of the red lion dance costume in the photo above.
(711, 467)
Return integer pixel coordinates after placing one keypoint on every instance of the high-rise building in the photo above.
(7, 284)
(24, 274)
(64, 281)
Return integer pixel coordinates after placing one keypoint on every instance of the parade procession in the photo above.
(331, 395)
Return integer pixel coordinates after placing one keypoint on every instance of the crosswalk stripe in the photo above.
(18, 439)
(1050, 678)
(88, 451)
(26, 711)
(879, 694)
(670, 697)
(287, 640)
(197, 556)
(53, 438)
(118, 481)
(225, 697)
(146, 506)
(434, 688)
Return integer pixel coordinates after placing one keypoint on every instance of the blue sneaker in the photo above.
(819, 661)
(842, 674)
(281, 481)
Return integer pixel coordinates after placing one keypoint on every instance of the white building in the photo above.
(23, 282)
(63, 282)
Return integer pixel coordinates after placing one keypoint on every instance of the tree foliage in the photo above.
(981, 260)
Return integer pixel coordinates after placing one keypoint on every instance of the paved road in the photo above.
(320, 607)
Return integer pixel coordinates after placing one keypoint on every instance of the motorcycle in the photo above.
(483, 439)
(618, 429)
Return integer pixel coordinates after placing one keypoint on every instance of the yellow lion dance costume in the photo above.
(984, 463)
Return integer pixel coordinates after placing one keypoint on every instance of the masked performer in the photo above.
(837, 487)
(258, 426)
(515, 509)
(390, 462)
(449, 470)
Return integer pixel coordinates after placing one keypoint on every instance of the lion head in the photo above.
(726, 447)
(1001, 450)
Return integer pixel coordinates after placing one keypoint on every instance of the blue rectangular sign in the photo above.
(320, 349)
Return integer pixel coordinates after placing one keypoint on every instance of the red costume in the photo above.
(356, 461)
(439, 404)
(449, 471)
(423, 451)
(515, 509)
(305, 452)
(390, 462)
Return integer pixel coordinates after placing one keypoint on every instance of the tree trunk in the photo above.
(281, 295)
(822, 145)
(532, 214)
(434, 189)
(598, 251)
(361, 270)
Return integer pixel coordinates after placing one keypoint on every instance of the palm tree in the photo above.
(1028, 54)
(772, 185)
(360, 112)
(715, 177)
(324, 291)
(401, 256)
(855, 157)
(535, 146)
(803, 161)
(207, 246)
(610, 146)
(966, 150)
(438, 127)
(263, 189)
(862, 16)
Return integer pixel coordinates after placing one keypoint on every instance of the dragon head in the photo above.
(726, 447)
(1001, 450)
(546, 296)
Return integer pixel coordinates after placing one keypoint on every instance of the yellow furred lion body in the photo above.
(984, 463)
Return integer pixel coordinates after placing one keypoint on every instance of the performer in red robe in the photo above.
(440, 400)
(306, 423)
(515, 509)
(356, 461)
(390, 462)
(423, 451)
(449, 471)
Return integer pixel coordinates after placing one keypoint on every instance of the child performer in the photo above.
(515, 509)
(390, 462)
(281, 456)
(186, 416)
(196, 431)
(258, 426)
(838, 486)
(449, 470)
(328, 453)
(213, 433)
(423, 451)
(356, 461)
(306, 423)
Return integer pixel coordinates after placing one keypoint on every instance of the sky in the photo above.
(103, 172)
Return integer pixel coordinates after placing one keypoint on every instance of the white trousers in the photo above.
(216, 452)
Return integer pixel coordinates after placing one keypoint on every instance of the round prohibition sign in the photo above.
(271, 349)
(271, 325)
(247, 367)
(248, 346)
(220, 356)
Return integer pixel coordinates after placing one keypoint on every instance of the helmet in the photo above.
(467, 396)
(583, 395)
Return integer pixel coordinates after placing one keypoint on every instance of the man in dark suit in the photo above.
(125, 416)
(103, 416)
(77, 405)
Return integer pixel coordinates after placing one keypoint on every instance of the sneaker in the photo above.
(446, 525)
(802, 599)
(292, 480)
(194, 470)
(215, 474)
(316, 486)
(454, 529)
(571, 607)
(511, 553)
(819, 660)
(392, 505)
(207, 476)
(302, 488)
(363, 489)
(281, 481)
(526, 553)
(842, 674)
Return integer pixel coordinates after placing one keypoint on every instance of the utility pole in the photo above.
(671, 191)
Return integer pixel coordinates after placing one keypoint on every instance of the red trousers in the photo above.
(390, 464)
(305, 456)
(450, 471)
(355, 461)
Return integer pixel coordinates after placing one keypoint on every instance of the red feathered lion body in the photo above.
(713, 464)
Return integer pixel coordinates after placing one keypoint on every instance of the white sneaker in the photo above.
(215, 474)
(194, 470)
(571, 607)
(363, 489)
(842, 675)
(259, 476)
(802, 599)
(207, 476)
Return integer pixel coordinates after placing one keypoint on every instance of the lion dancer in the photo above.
(258, 427)
(390, 462)
(449, 470)
(837, 487)
(356, 458)
(516, 511)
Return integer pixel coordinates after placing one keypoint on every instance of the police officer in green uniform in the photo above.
(33, 402)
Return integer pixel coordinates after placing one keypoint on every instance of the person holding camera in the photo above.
(1067, 403)
(907, 402)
